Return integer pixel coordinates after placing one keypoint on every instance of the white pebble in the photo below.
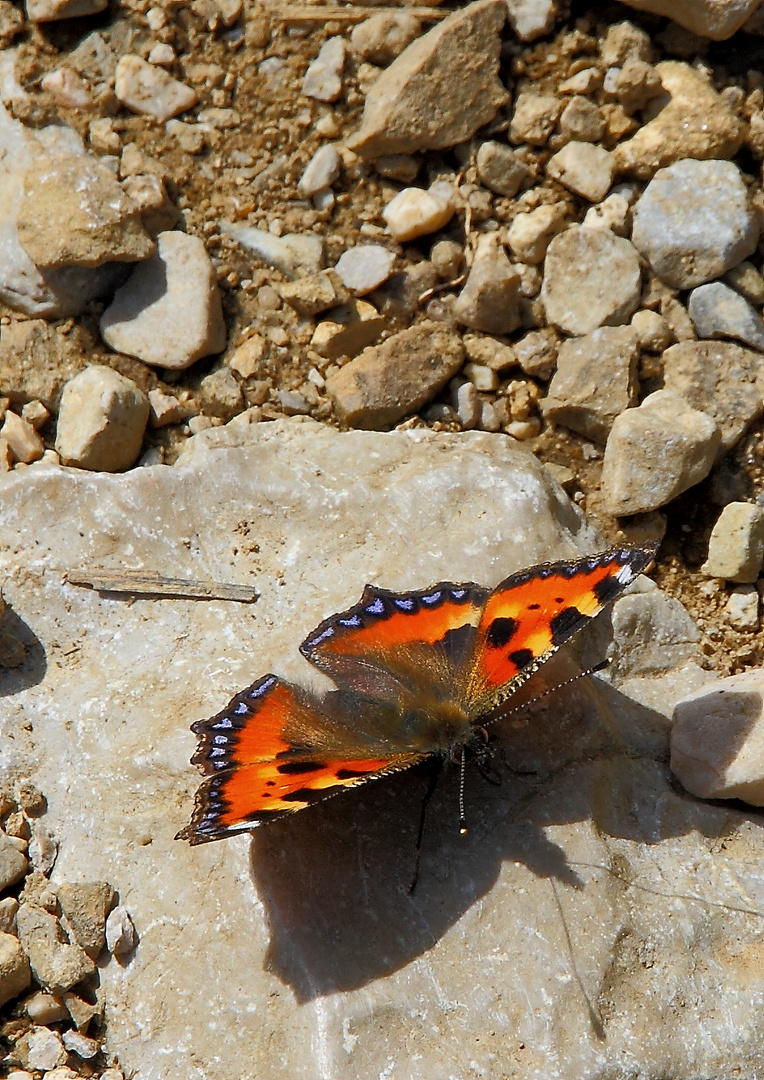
(121, 936)
(365, 267)
(323, 79)
(321, 171)
(415, 212)
(146, 88)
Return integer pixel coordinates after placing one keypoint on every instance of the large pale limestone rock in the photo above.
(551, 940)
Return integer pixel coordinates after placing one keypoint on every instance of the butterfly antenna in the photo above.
(462, 771)
(552, 690)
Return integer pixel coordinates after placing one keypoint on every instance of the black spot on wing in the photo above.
(521, 658)
(350, 774)
(565, 623)
(500, 632)
(607, 589)
(301, 766)
(305, 795)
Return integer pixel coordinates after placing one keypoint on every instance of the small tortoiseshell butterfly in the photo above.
(417, 673)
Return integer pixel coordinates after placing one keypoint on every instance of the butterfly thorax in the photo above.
(436, 727)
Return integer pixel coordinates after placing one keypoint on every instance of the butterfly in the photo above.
(417, 674)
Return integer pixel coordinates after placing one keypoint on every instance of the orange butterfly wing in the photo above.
(530, 615)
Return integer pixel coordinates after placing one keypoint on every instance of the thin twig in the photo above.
(349, 13)
(150, 583)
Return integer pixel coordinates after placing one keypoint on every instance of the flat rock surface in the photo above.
(552, 940)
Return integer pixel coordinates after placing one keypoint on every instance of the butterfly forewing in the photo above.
(531, 614)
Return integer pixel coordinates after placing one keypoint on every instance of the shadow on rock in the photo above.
(22, 656)
(334, 880)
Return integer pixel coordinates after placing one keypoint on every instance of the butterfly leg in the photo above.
(432, 782)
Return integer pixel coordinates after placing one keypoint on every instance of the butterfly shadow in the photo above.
(22, 656)
(334, 881)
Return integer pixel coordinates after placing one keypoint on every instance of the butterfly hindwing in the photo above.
(272, 751)
(532, 613)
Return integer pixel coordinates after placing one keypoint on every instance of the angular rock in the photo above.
(15, 975)
(582, 120)
(694, 222)
(121, 935)
(363, 268)
(531, 19)
(26, 445)
(584, 169)
(383, 36)
(146, 88)
(662, 628)
(534, 118)
(736, 544)
(595, 381)
(169, 313)
(80, 1044)
(500, 169)
(295, 254)
(101, 420)
(415, 212)
(323, 79)
(401, 509)
(717, 311)
(56, 964)
(591, 278)
(531, 233)
(313, 294)
(656, 452)
(742, 608)
(389, 381)
(747, 280)
(715, 19)
(41, 1049)
(695, 123)
(489, 300)
(440, 90)
(50, 293)
(717, 740)
(74, 213)
(347, 330)
(86, 905)
(719, 378)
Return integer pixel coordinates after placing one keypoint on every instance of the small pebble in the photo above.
(534, 118)
(44, 1009)
(22, 439)
(531, 233)
(718, 311)
(80, 1044)
(383, 36)
(321, 171)
(612, 213)
(747, 280)
(121, 936)
(652, 330)
(742, 608)
(67, 89)
(146, 88)
(500, 168)
(415, 212)
(101, 420)
(42, 1049)
(489, 300)
(365, 267)
(295, 254)
(323, 79)
(584, 169)
(468, 406)
(736, 544)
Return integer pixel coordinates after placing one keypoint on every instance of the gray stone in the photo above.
(500, 168)
(101, 420)
(547, 862)
(736, 544)
(584, 169)
(652, 633)
(596, 379)
(717, 739)
(56, 964)
(694, 222)
(747, 280)
(86, 905)
(15, 975)
(719, 378)
(323, 79)
(148, 89)
(121, 936)
(489, 300)
(41, 1049)
(656, 452)
(295, 254)
(717, 311)
(591, 278)
(440, 90)
(365, 267)
(389, 381)
(742, 608)
(321, 171)
(169, 312)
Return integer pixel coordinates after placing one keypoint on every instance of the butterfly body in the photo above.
(417, 673)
